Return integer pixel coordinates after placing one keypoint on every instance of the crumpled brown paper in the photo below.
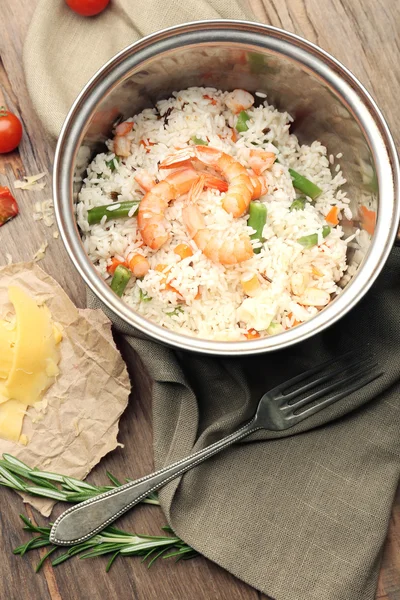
(79, 423)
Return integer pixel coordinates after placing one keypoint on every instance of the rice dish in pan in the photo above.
(208, 217)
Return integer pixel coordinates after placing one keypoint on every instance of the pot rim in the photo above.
(343, 84)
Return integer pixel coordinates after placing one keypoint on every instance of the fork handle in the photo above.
(87, 518)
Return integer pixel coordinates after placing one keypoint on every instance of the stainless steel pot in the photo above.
(325, 99)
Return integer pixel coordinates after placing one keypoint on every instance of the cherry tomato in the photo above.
(10, 131)
(8, 205)
(87, 8)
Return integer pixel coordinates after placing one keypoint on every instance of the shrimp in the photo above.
(239, 100)
(123, 128)
(259, 184)
(122, 146)
(240, 188)
(145, 180)
(154, 204)
(260, 160)
(217, 249)
(139, 265)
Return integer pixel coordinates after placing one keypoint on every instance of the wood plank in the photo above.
(362, 34)
(34, 155)
(370, 48)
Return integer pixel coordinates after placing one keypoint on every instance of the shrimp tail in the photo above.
(180, 157)
(196, 189)
(151, 213)
(215, 183)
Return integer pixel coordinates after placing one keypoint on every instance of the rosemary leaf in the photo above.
(154, 558)
(80, 547)
(149, 553)
(84, 485)
(29, 526)
(22, 549)
(27, 522)
(46, 475)
(77, 486)
(41, 561)
(6, 483)
(13, 479)
(60, 559)
(47, 493)
(100, 550)
(183, 550)
(154, 502)
(113, 479)
(36, 542)
(40, 542)
(82, 496)
(23, 472)
(42, 482)
(136, 548)
(167, 528)
(15, 462)
(28, 546)
(110, 562)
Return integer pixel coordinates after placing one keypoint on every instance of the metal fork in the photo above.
(281, 408)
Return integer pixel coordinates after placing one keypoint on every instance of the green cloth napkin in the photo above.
(299, 517)
(63, 50)
(304, 517)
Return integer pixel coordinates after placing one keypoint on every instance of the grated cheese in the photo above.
(31, 182)
(48, 220)
(40, 252)
(44, 212)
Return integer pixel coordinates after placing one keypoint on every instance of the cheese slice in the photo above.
(36, 353)
(12, 414)
(8, 335)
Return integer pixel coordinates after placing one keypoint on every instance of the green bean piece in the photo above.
(298, 204)
(199, 141)
(144, 297)
(304, 185)
(96, 214)
(308, 241)
(111, 164)
(275, 328)
(120, 280)
(257, 220)
(241, 123)
(326, 231)
(175, 312)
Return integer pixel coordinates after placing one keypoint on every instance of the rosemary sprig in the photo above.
(110, 541)
(13, 472)
(18, 476)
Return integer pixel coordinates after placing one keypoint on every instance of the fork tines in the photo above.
(344, 380)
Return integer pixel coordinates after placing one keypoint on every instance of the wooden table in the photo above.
(365, 36)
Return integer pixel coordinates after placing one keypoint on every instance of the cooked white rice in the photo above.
(211, 302)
